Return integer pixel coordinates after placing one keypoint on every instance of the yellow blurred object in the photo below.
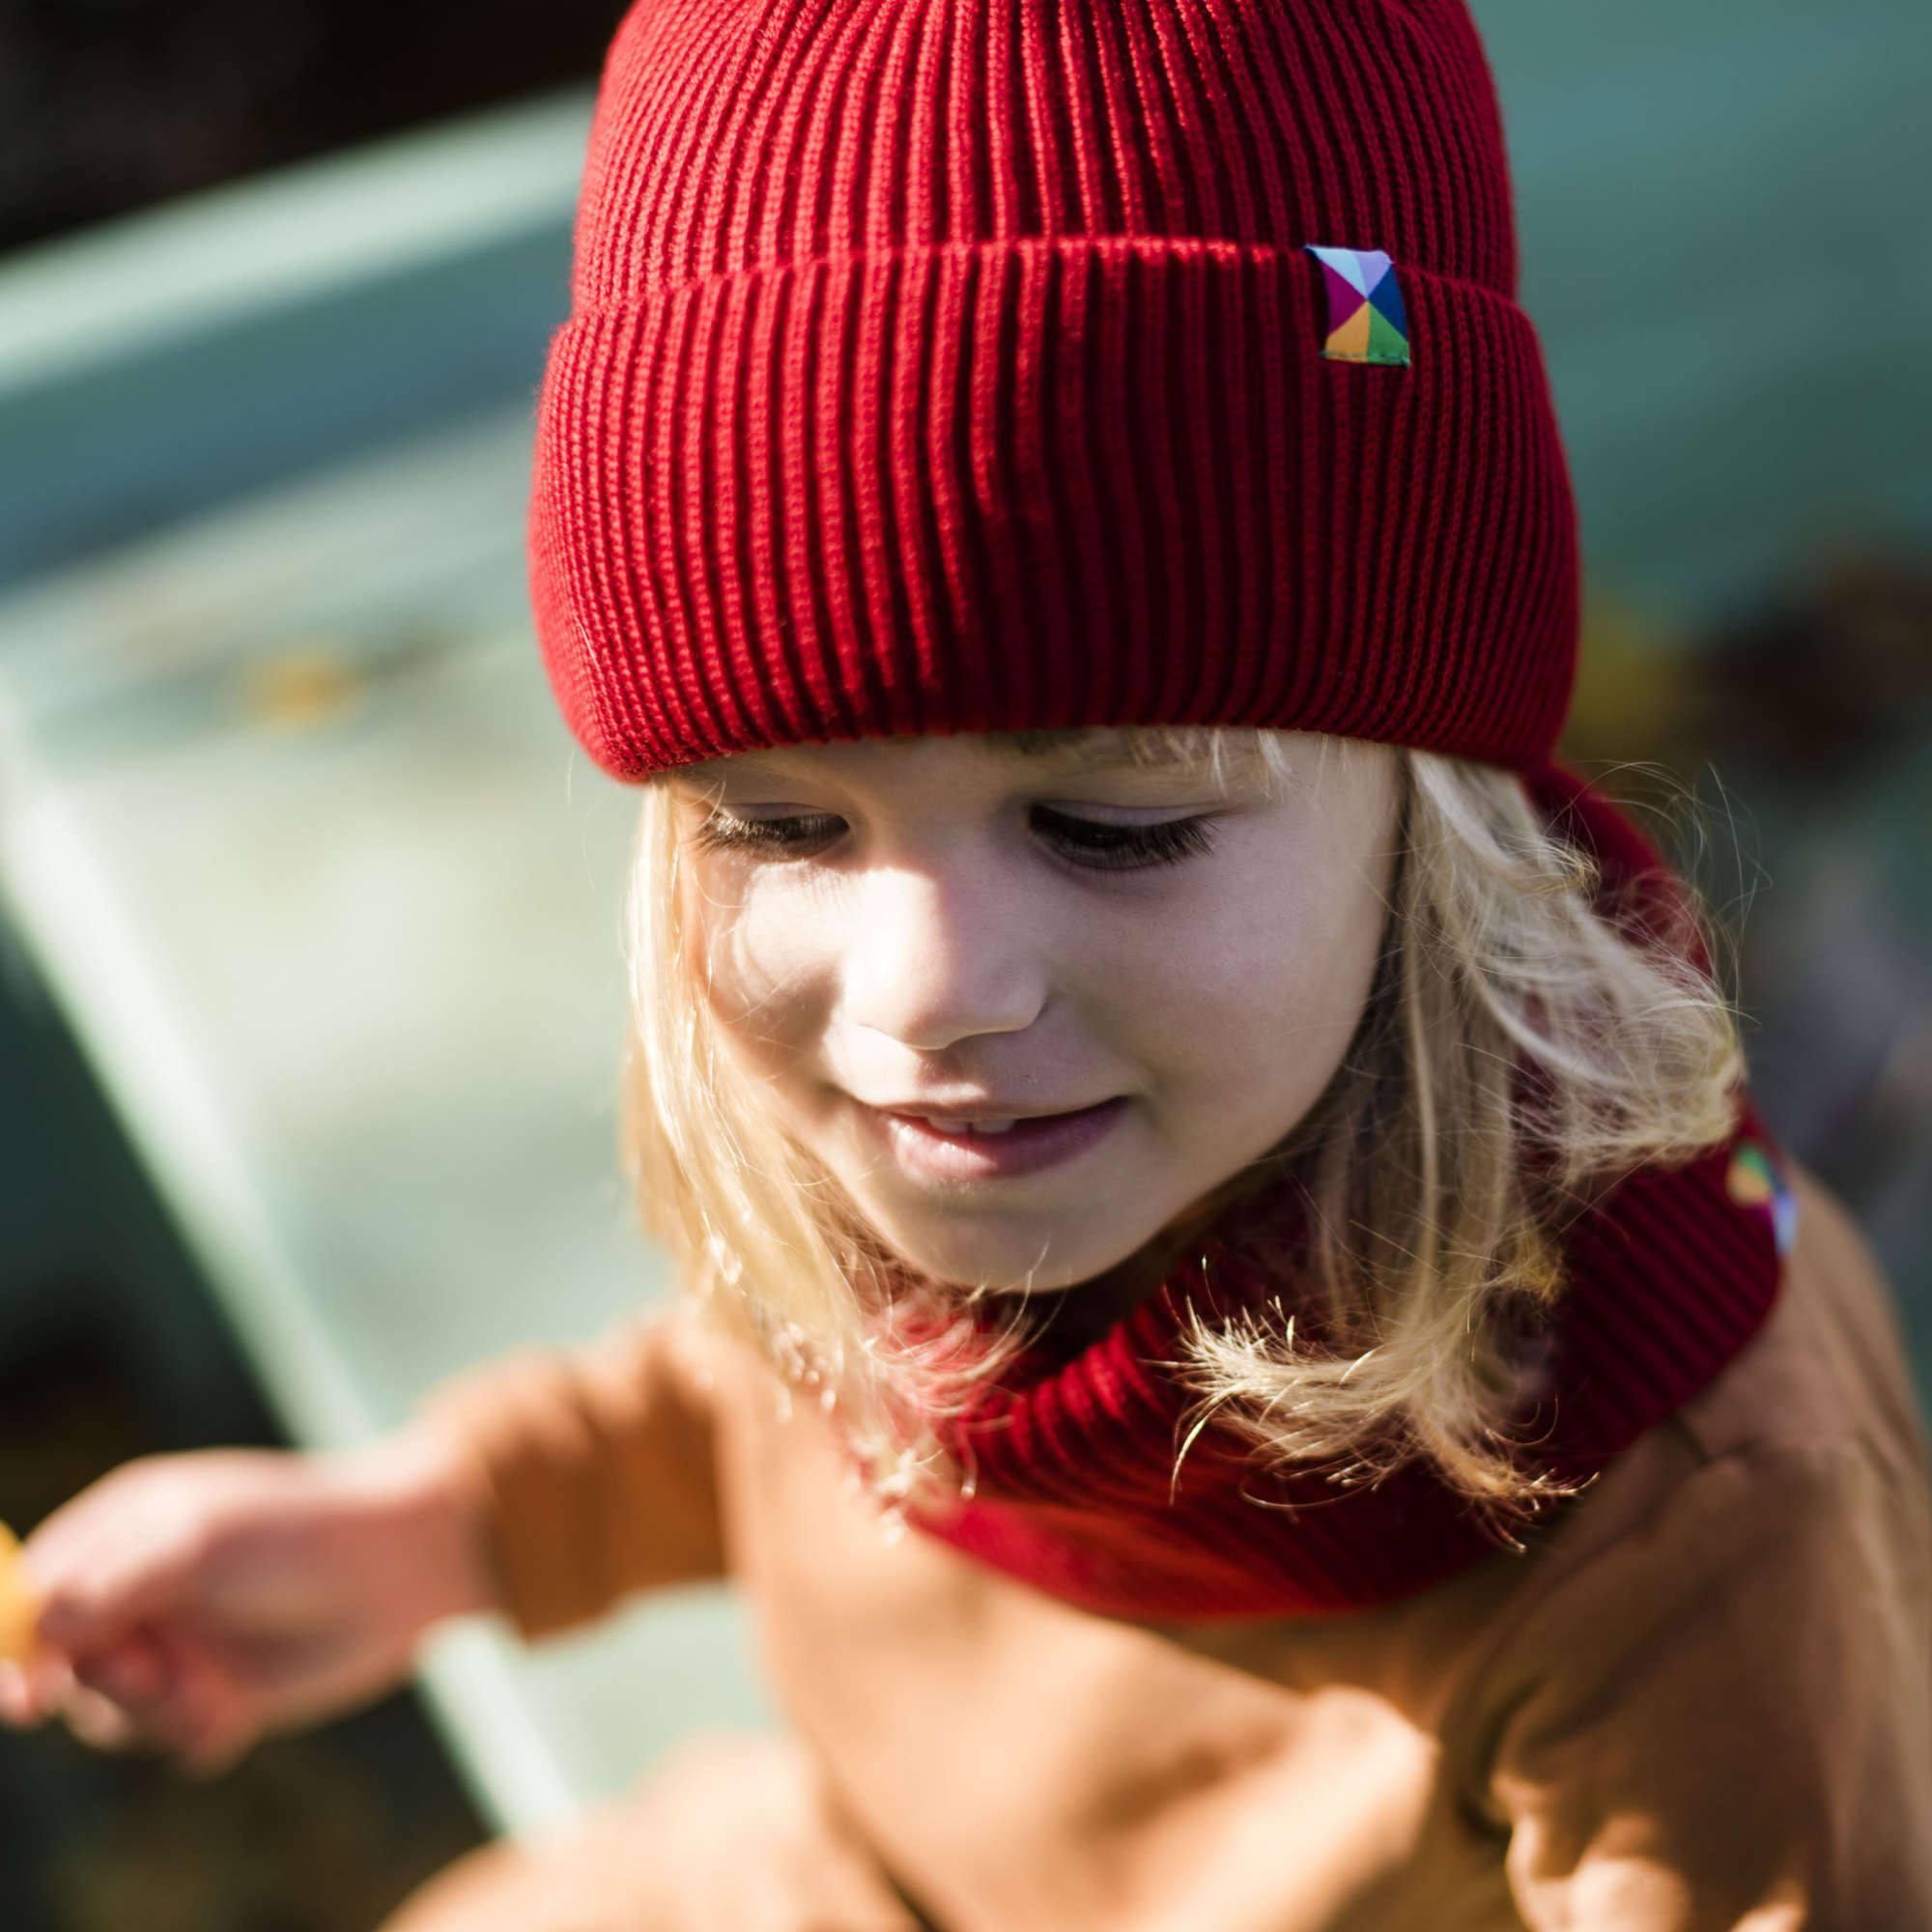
(301, 686)
(18, 1606)
(1633, 684)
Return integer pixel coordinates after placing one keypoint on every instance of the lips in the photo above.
(969, 1113)
(960, 1148)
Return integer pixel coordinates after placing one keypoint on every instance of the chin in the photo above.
(1003, 1266)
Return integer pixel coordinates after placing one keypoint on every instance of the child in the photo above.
(1246, 1340)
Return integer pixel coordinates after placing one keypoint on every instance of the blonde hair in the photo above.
(1426, 1226)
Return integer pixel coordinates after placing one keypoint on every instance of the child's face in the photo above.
(901, 926)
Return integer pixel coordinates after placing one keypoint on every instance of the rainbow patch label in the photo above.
(1755, 1181)
(1366, 321)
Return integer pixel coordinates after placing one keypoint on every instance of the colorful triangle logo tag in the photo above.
(1368, 321)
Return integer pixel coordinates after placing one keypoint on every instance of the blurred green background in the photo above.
(310, 982)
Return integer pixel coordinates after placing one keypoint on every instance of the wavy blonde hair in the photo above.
(1509, 1006)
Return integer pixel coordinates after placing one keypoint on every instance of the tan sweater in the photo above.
(1705, 1702)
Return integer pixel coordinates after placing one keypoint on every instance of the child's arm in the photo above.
(589, 1472)
(196, 1602)
(1725, 1720)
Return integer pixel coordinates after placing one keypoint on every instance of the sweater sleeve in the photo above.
(593, 1469)
(1724, 1718)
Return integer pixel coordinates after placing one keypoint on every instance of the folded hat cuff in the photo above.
(1048, 482)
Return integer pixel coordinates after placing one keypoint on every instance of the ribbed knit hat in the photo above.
(953, 365)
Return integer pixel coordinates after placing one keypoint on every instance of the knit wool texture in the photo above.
(1086, 1483)
(958, 365)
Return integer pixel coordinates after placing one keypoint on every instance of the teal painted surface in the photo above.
(197, 352)
(110, 453)
(350, 975)
(1726, 249)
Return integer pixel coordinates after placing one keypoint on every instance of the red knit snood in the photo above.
(1075, 1486)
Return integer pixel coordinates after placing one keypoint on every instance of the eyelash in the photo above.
(1108, 848)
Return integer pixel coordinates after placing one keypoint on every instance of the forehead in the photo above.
(1182, 751)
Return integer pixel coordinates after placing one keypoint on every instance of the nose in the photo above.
(936, 955)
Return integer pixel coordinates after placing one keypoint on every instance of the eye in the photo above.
(1095, 845)
(724, 831)
(1100, 846)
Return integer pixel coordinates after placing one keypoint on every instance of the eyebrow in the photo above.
(1231, 757)
(1077, 749)
(1092, 745)
(1084, 747)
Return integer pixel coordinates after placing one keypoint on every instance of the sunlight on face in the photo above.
(991, 928)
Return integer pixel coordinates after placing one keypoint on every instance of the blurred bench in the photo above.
(290, 827)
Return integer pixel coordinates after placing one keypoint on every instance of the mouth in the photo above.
(992, 1146)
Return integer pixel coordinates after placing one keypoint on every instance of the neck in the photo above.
(1085, 1312)
(1082, 1314)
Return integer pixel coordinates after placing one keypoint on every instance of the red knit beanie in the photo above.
(955, 365)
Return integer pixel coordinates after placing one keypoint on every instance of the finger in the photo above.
(99, 1721)
(90, 1607)
(212, 1721)
(131, 1672)
(16, 1704)
(74, 1540)
(59, 1543)
(169, 1723)
(45, 1680)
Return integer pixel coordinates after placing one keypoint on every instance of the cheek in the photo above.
(763, 956)
(1270, 988)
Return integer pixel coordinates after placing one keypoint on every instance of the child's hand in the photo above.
(194, 1603)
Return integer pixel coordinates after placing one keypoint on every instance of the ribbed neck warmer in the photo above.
(1670, 1274)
